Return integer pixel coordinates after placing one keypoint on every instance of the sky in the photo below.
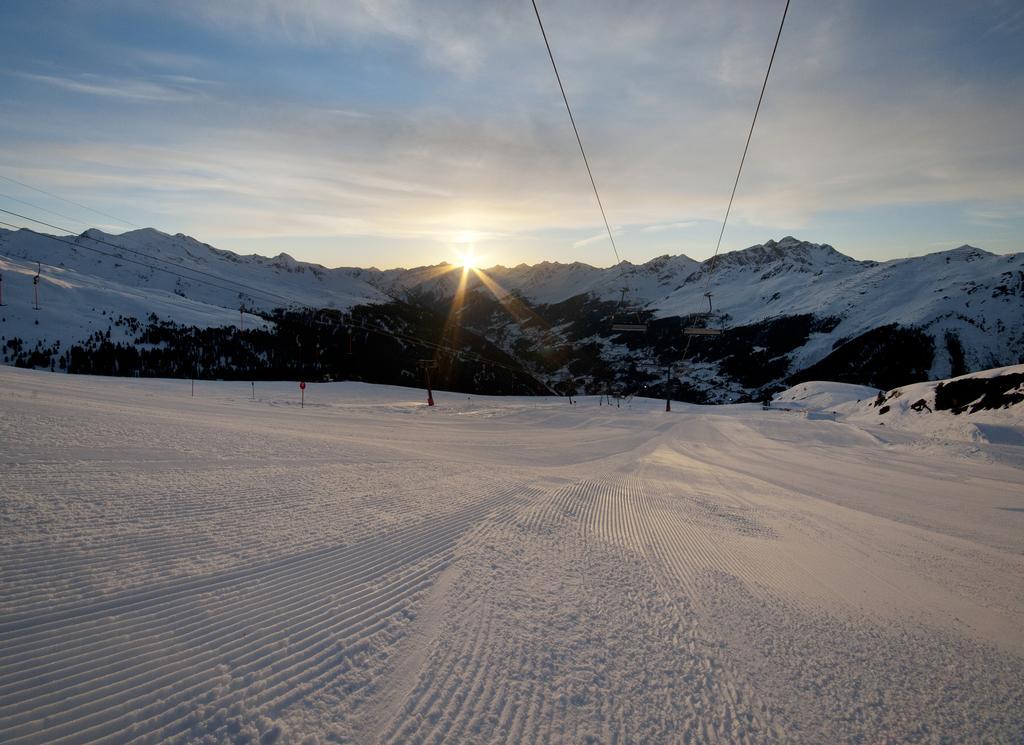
(401, 133)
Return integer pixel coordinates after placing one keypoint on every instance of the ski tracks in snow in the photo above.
(207, 655)
(549, 575)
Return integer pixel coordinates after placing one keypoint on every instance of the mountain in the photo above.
(791, 311)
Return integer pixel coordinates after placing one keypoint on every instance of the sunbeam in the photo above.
(513, 305)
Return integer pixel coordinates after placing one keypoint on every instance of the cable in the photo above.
(74, 244)
(398, 336)
(62, 199)
(579, 141)
(42, 209)
(743, 158)
(746, 147)
(252, 290)
(265, 293)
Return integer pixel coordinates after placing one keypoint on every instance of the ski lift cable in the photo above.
(638, 325)
(124, 248)
(402, 337)
(575, 129)
(119, 258)
(732, 196)
(62, 199)
(42, 209)
(746, 147)
(251, 290)
(265, 293)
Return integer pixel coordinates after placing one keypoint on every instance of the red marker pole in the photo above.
(302, 393)
(668, 389)
(427, 365)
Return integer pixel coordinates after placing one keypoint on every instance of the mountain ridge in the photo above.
(964, 303)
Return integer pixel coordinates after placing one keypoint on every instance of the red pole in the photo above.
(430, 393)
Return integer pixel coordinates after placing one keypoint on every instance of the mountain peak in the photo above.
(967, 252)
(787, 250)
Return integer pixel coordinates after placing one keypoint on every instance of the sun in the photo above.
(468, 259)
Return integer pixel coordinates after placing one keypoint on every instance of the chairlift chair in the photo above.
(705, 330)
(627, 318)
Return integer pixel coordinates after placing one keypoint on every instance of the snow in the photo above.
(73, 305)
(965, 292)
(223, 568)
(81, 290)
(901, 414)
(820, 395)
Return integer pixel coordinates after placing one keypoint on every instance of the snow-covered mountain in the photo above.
(789, 306)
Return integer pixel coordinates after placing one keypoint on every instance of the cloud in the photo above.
(662, 227)
(171, 89)
(452, 34)
(591, 239)
(162, 58)
(465, 130)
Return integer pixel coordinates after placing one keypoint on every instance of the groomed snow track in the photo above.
(368, 570)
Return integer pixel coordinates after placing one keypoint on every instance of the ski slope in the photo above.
(230, 567)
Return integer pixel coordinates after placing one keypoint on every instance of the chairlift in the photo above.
(626, 317)
(704, 330)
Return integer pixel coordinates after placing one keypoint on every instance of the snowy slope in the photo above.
(968, 302)
(85, 280)
(73, 305)
(913, 408)
(997, 419)
(211, 275)
(223, 569)
(87, 285)
(821, 395)
(976, 295)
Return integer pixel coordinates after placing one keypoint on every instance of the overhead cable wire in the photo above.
(62, 199)
(412, 339)
(732, 196)
(42, 209)
(75, 244)
(265, 293)
(746, 146)
(575, 129)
